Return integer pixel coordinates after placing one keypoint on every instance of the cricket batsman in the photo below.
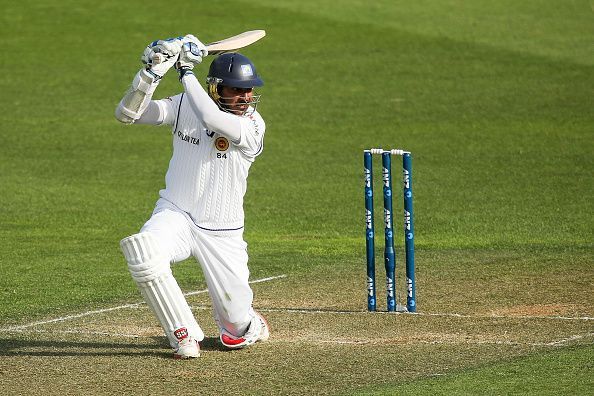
(216, 137)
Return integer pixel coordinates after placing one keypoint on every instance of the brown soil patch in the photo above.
(535, 310)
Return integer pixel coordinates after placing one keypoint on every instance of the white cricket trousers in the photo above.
(223, 259)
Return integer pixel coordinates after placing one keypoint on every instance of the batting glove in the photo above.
(160, 55)
(191, 54)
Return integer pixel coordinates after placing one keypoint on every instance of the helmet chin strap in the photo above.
(213, 92)
(227, 108)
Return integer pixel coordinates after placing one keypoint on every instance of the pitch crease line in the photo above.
(125, 306)
(452, 315)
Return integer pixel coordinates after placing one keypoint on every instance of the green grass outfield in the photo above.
(494, 99)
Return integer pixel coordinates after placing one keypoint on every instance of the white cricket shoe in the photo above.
(187, 346)
(258, 331)
(265, 332)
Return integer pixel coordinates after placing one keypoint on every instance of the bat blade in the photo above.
(234, 43)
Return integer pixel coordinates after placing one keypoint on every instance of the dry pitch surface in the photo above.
(315, 348)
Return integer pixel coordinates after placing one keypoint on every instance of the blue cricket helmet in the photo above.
(234, 70)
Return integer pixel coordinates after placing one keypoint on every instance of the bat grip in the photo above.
(157, 58)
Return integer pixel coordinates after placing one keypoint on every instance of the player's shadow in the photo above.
(158, 347)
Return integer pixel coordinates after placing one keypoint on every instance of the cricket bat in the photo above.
(234, 43)
(229, 44)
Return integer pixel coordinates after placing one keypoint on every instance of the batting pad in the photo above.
(151, 271)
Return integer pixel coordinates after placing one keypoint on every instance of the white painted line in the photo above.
(126, 306)
(251, 282)
(503, 316)
(79, 332)
(269, 278)
(453, 315)
(69, 317)
(569, 339)
(461, 340)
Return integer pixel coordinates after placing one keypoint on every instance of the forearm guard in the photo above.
(138, 97)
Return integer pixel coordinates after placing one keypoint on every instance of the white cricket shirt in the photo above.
(207, 175)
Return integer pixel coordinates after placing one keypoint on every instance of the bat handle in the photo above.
(157, 58)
